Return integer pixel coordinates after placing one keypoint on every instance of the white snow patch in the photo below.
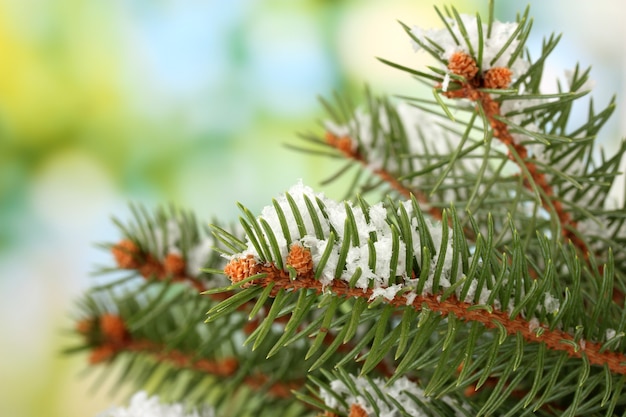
(533, 324)
(389, 293)
(402, 391)
(551, 304)
(500, 34)
(610, 334)
(167, 241)
(446, 82)
(143, 406)
(197, 257)
(410, 297)
(333, 217)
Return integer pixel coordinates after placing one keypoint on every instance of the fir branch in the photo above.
(435, 289)
(346, 394)
(400, 152)
(108, 336)
(511, 306)
(128, 255)
(534, 178)
(150, 303)
(344, 144)
(532, 332)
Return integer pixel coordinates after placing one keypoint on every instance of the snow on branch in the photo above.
(380, 128)
(467, 34)
(364, 394)
(386, 250)
(142, 405)
(357, 244)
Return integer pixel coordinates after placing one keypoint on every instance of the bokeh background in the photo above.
(106, 102)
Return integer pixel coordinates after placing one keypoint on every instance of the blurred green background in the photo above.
(106, 102)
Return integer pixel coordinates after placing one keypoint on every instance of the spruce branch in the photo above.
(174, 340)
(434, 289)
(150, 318)
(345, 144)
(129, 256)
(531, 330)
(510, 115)
(487, 280)
(534, 179)
(111, 337)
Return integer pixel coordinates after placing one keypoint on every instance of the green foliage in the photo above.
(511, 303)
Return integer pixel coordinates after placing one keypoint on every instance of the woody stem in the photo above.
(553, 339)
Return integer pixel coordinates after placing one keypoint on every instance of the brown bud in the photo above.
(151, 268)
(464, 65)
(300, 259)
(126, 254)
(174, 264)
(497, 78)
(102, 353)
(239, 269)
(357, 411)
(84, 326)
(342, 143)
(113, 328)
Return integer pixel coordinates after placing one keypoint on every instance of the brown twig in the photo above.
(554, 339)
(108, 336)
(344, 145)
(464, 65)
(500, 78)
(128, 255)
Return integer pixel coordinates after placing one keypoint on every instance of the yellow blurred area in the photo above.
(56, 77)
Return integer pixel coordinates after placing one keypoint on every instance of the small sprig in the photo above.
(483, 64)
